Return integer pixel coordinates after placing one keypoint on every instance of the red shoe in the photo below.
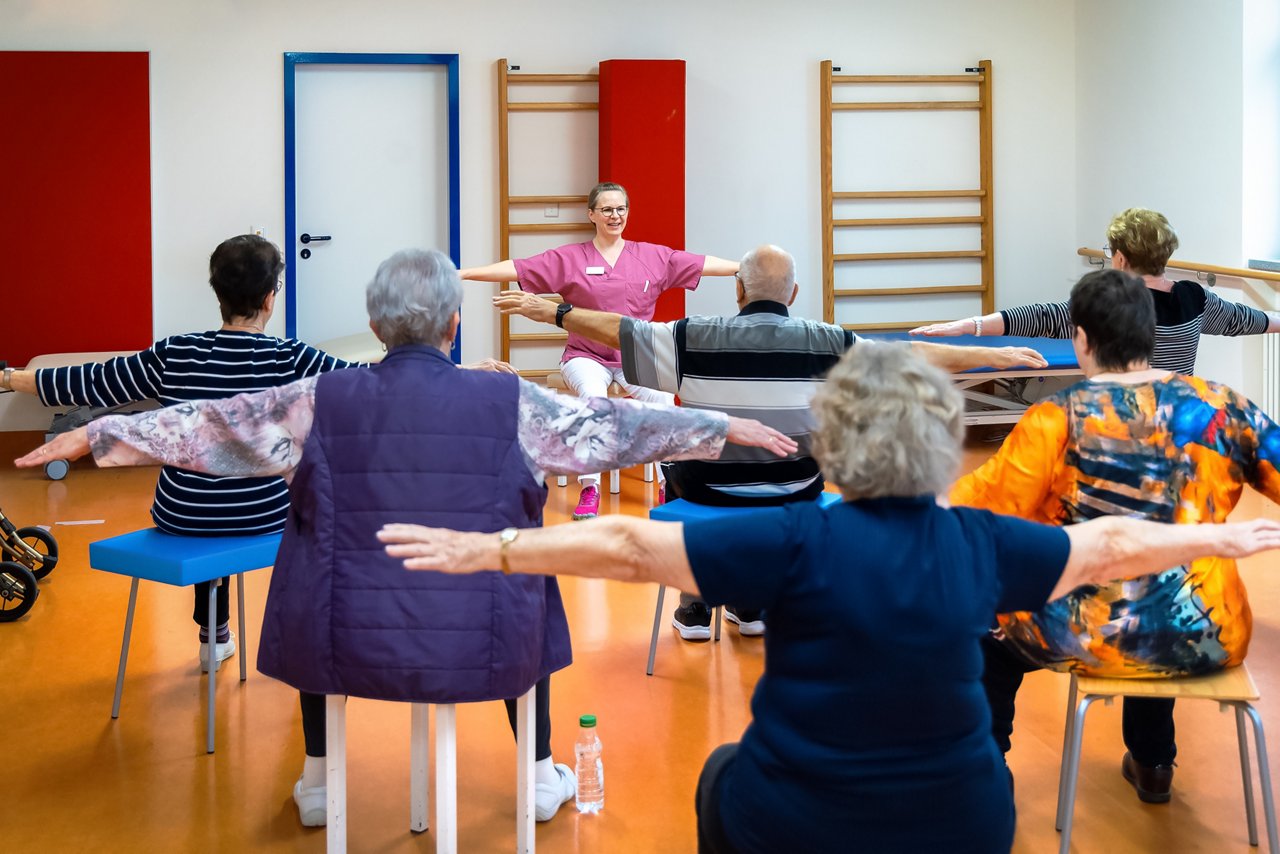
(588, 503)
(662, 493)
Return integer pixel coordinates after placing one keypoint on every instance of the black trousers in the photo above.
(711, 837)
(201, 612)
(313, 720)
(1147, 723)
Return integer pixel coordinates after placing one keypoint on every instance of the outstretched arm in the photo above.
(502, 271)
(600, 326)
(1116, 547)
(714, 266)
(619, 547)
(986, 324)
(952, 358)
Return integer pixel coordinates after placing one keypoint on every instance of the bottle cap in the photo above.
(587, 720)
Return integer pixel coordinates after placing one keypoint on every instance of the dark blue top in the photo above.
(871, 730)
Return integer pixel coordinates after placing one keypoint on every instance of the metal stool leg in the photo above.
(715, 618)
(1242, 739)
(213, 660)
(446, 779)
(525, 791)
(124, 649)
(648, 472)
(1073, 772)
(1066, 741)
(1264, 777)
(615, 482)
(244, 643)
(657, 622)
(562, 480)
(335, 773)
(419, 760)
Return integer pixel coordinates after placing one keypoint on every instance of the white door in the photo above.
(372, 160)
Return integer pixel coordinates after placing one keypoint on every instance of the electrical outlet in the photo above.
(551, 211)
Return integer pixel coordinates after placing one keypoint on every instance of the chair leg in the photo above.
(1242, 739)
(124, 649)
(648, 472)
(244, 639)
(615, 482)
(1264, 777)
(1067, 729)
(715, 618)
(213, 660)
(657, 622)
(419, 760)
(525, 772)
(562, 480)
(446, 779)
(1073, 772)
(335, 773)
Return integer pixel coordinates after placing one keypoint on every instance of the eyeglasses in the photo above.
(618, 211)
(279, 285)
(1107, 251)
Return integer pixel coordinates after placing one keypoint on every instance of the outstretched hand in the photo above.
(1018, 357)
(496, 365)
(431, 548)
(526, 305)
(943, 330)
(1241, 539)
(66, 446)
(747, 431)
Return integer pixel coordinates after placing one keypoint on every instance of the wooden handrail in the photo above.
(1192, 266)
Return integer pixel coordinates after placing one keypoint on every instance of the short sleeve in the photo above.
(1030, 558)
(745, 559)
(684, 270)
(650, 353)
(545, 272)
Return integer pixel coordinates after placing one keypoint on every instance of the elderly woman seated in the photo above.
(413, 438)
(1128, 441)
(870, 727)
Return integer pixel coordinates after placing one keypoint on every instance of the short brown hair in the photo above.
(1146, 239)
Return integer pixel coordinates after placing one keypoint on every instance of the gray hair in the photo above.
(889, 424)
(413, 297)
(767, 272)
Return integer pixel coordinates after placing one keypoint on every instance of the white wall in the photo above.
(1159, 116)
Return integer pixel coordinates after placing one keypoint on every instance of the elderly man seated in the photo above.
(413, 438)
(761, 363)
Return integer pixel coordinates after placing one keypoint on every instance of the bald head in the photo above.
(768, 272)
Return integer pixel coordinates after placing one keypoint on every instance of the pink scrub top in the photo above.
(631, 287)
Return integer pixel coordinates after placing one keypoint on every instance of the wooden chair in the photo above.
(419, 759)
(1231, 688)
(183, 561)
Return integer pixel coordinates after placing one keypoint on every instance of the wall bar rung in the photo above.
(888, 327)
(538, 374)
(549, 227)
(909, 220)
(538, 336)
(910, 194)
(551, 106)
(907, 78)
(546, 200)
(894, 292)
(909, 256)
(846, 106)
(553, 78)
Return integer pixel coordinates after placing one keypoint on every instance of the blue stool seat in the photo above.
(183, 561)
(679, 510)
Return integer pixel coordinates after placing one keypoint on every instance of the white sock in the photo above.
(545, 773)
(313, 772)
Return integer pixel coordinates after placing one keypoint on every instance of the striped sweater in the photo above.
(1183, 314)
(197, 366)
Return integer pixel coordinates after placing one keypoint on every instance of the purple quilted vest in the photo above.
(413, 440)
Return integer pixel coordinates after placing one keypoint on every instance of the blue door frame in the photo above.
(291, 62)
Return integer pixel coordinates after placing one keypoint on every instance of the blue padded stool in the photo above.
(679, 510)
(183, 561)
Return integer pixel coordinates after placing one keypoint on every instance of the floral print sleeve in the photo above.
(581, 435)
(249, 435)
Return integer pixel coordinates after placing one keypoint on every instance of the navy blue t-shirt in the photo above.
(871, 730)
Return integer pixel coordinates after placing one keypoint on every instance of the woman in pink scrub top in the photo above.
(605, 273)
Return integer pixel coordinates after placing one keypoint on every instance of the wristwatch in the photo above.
(506, 537)
(561, 310)
(6, 382)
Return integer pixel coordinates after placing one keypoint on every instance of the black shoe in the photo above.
(1152, 782)
(693, 621)
(750, 623)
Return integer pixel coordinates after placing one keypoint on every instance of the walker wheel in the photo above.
(18, 591)
(56, 469)
(47, 547)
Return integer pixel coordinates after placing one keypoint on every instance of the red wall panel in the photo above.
(642, 148)
(76, 157)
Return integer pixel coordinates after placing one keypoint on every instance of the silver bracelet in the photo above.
(977, 326)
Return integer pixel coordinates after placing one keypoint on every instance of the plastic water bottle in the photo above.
(590, 768)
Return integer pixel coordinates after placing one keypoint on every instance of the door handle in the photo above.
(307, 238)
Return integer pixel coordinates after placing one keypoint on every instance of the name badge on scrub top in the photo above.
(595, 271)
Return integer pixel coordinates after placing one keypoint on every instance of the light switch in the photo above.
(551, 211)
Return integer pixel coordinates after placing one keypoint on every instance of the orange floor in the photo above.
(78, 781)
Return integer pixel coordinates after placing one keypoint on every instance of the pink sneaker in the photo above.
(662, 493)
(588, 503)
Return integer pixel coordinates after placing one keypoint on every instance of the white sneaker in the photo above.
(223, 651)
(313, 804)
(549, 796)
